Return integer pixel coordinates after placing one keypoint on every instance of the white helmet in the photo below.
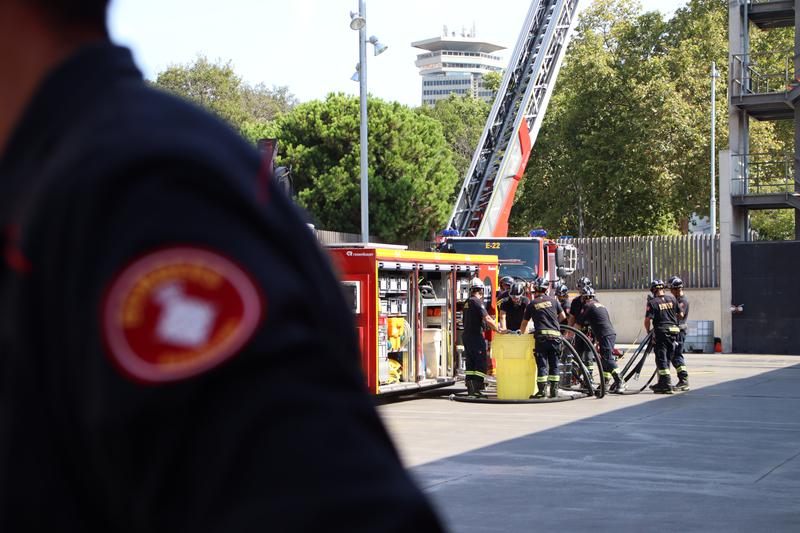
(476, 285)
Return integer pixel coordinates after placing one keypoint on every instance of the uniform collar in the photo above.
(66, 89)
(60, 100)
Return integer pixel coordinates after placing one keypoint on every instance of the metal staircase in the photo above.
(485, 200)
(764, 86)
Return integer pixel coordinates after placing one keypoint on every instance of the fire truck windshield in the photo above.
(524, 253)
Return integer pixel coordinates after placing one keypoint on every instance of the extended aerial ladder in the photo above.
(484, 203)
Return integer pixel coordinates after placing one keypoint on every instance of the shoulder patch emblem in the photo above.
(177, 312)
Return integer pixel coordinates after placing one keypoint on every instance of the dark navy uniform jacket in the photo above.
(683, 305)
(544, 311)
(108, 188)
(514, 311)
(664, 311)
(595, 315)
(576, 306)
(474, 313)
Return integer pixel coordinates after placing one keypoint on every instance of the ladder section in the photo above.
(485, 199)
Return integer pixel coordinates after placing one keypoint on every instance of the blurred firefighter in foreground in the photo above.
(160, 368)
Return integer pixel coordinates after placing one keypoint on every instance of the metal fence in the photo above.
(332, 237)
(621, 262)
(764, 173)
(763, 73)
(631, 262)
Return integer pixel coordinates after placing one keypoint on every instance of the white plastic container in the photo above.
(432, 350)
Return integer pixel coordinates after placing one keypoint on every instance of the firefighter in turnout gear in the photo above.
(546, 312)
(575, 308)
(577, 303)
(512, 308)
(595, 315)
(475, 317)
(562, 293)
(662, 314)
(506, 282)
(676, 288)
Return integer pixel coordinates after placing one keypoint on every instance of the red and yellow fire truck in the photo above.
(408, 304)
(407, 307)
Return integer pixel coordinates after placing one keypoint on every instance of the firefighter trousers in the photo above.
(547, 351)
(476, 363)
(607, 353)
(678, 361)
(664, 350)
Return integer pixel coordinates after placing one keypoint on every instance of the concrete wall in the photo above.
(626, 308)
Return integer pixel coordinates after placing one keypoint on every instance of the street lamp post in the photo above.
(358, 21)
(712, 215)
(362, 97)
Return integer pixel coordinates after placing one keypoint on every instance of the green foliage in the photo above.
(214, 86)
(217, 87)
(411, 173)
(625, 146)
(773, 225)
(263, 104)
(462, 120)
(492, 81)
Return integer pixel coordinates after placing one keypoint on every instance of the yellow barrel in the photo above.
(516, 366)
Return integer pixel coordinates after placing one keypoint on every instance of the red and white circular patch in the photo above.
(177, 312)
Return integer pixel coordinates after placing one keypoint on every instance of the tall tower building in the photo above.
(455, 64)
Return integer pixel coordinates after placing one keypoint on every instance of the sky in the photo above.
(308, 45)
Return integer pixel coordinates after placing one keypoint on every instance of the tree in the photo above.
(773, 225)
(462, 120)
(263, 104)
(602, 162)
(214, 86)
(492, 81)
(624, 147)
(411, 173)
(217, 87)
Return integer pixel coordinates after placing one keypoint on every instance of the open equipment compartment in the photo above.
(407, 307)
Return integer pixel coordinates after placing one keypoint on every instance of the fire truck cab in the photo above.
(522, 258)
(407, 307)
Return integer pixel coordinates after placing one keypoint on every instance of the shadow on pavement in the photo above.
(720, 458)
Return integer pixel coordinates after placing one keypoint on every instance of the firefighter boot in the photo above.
(664, 385)
(590, 368)
(683, 383)
(553, 389)
(619, 384)
(541, 390)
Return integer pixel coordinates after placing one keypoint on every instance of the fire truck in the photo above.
(522, 258)
(407, 306)
(479, 220)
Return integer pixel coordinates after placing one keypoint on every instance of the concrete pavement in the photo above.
(724, 456)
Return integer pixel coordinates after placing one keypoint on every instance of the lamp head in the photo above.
(357, 21)
(379, 46)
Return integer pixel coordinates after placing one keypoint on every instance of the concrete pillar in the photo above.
(732, 164)
(797, 116)
(797, 154)
(730, 230)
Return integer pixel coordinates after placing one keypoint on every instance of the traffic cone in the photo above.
(717, 345)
